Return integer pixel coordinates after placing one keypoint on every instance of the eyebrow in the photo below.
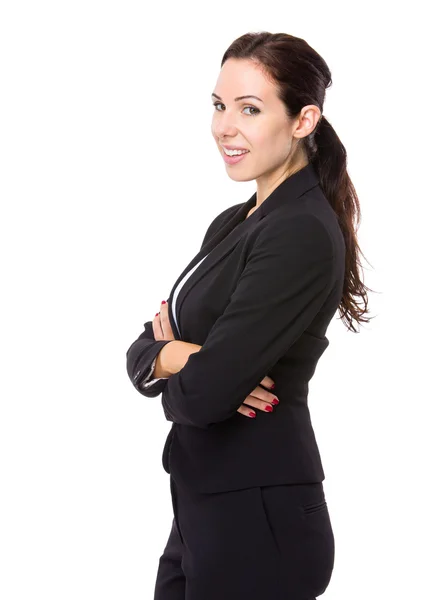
(238, 98)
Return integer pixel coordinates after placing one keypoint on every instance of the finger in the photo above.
(255, 402)
(245, 410)
(262, 394)
(157, 328)
(165, 320)
(267, 382)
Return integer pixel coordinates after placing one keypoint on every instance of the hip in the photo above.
(283, 528)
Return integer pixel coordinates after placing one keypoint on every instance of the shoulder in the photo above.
(295, 232)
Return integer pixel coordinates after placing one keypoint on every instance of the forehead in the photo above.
(239, 77)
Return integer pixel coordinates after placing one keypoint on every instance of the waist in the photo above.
(272, 449)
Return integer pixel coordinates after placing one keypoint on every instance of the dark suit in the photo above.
(259, 304)
(249, 491)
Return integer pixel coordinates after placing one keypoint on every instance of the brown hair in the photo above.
(302, 76)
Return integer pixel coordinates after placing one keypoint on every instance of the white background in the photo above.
(106, 150)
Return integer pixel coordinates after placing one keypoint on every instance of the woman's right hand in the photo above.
(259, 398)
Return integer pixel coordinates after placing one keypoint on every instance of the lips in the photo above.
(236, 158)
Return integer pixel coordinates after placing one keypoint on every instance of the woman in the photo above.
(234, 347)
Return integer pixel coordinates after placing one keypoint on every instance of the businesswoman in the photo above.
(232, 349)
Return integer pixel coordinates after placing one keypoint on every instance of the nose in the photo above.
(224, 126)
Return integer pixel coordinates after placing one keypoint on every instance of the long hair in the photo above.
(301, 77)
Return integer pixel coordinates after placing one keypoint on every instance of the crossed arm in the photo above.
(286, 280)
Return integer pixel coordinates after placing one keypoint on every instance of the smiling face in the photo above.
(259, 125)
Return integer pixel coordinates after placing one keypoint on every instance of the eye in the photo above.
(253, 108)
(216, 104)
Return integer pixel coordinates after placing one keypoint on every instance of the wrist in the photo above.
(173, 357)
(163, 362)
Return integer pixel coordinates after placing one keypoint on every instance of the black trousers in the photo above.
(262, 543)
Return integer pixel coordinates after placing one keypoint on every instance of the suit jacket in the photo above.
(259, 304)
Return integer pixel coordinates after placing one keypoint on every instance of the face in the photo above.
(258, 125)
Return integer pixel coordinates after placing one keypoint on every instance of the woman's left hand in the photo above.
(161, 324)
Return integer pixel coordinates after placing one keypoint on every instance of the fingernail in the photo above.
(252, 414)
(269, 408)
(157, 314)
(273, 386)
(275, 401)
(163, 302)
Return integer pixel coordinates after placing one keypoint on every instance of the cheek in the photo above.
(268, 136)
(268, 145)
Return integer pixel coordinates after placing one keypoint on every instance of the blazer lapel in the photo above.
(217, 247)
(229, 235)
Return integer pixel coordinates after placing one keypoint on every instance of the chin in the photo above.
(237, 176)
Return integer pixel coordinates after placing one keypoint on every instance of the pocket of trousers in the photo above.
(313, 507)
(265, 513)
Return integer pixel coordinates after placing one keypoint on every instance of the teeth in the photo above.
(234, 152)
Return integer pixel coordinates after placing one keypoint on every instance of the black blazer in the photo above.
(259, 304)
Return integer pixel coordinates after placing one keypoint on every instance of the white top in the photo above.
(148, 381)
(179, 287)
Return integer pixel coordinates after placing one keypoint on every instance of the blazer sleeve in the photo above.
(141, 355)
(139, 358)
(149, 381)
(287, 278)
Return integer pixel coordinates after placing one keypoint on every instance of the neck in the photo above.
(268, 182)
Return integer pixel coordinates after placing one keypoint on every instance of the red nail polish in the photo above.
(252, 414)
(269, 408)
(157, 314)
(163, 302)
(273, 386)
(275, 401)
